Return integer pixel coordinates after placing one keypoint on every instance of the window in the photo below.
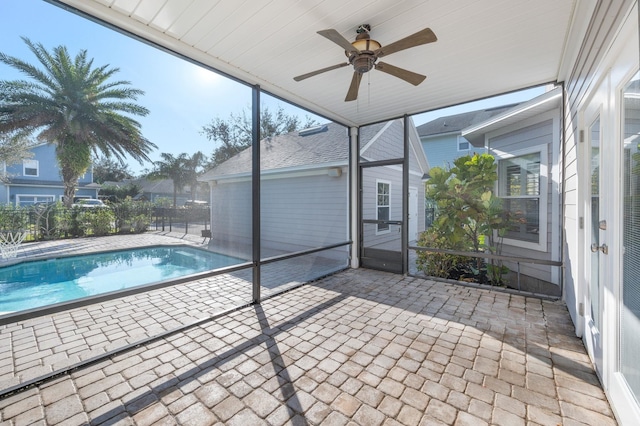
(463, 144)
(30, 200)
(519, 187)
(30, 168)
(383, 204)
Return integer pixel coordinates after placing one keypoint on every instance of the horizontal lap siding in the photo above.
(297, 213)
(231, 212)
(389, 144)
(304, 212)
(529, 138)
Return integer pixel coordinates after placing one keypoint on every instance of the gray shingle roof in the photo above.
(457, 122)
(329, 143)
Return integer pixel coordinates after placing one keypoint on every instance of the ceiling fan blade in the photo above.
(421, 37)
(320, 71)
(335, 37)
(352, 94)
(406, 75)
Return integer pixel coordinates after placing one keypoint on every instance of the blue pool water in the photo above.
(35, 284)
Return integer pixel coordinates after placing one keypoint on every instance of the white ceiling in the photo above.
(484, 47)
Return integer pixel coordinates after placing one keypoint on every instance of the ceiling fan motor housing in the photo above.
(363, 62)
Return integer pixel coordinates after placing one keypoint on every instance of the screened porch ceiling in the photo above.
(484, 48)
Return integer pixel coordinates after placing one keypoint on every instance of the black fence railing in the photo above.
(189, 220)
(54, 221)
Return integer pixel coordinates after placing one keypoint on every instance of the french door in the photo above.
(595, 225)
(611, 223)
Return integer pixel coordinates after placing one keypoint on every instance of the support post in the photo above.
(354, 198)
(404, 240)
(255, 189)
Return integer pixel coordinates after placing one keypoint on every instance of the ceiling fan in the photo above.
(364, 53)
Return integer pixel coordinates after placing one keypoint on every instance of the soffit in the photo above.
(484, 47)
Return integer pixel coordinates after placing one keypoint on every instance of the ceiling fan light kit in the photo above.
(364, 52)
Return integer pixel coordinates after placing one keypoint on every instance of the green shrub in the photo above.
(141, 223)
(48, 220)
(434, 264)
(99, 220)
(13, 218)
(74, 221)
(469, 218)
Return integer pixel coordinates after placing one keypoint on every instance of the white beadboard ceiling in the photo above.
(484, 47)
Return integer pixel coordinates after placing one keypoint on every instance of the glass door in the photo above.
(595, 226)
(630, 293)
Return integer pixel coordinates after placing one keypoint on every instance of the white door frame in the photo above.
(618, 66)
(595, 112)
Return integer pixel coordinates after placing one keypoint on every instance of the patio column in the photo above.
(354, 208)
(404, 239)
(255, 189)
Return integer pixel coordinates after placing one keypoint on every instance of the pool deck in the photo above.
(358, 347)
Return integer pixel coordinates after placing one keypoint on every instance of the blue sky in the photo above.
(181, 97)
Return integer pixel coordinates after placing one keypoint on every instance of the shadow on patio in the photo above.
(361, 346)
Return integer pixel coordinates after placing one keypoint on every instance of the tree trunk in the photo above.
(70, 185)
(194, 191)
(74, 158)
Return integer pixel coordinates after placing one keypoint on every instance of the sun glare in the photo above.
(203, 76)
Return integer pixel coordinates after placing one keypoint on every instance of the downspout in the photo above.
(563, 149)
(354, 199)
(255, 189)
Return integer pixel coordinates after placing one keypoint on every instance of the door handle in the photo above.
(603, 248)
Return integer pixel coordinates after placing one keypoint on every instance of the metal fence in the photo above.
(54, 221)
(189, 220)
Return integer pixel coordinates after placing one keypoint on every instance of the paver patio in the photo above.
(45, 344)
(359, 346)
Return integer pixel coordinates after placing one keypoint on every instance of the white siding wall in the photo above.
(607, 18)
(530, 138)
(231, 216)
(305, 212)
(297, 213)
(386, 145)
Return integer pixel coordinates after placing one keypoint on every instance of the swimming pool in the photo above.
(40, 283)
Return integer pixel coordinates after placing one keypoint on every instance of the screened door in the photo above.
(381, 223)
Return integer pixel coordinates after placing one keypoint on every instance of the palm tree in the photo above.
(182, 170)
(71, 103)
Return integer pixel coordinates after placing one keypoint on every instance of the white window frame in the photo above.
(378, 230)
(541, 245)
(51, 198)
(462, 139)
(30, 164)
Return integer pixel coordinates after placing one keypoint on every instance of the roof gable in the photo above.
(321, 146)
(455, 123)
(325, 144)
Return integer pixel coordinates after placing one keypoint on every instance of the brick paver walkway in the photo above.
(360, 346)
(43, 345)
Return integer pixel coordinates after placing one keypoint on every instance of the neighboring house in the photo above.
(155, 190)
(37, 179)
(525, 141)
(442, 140)
(304, 188)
